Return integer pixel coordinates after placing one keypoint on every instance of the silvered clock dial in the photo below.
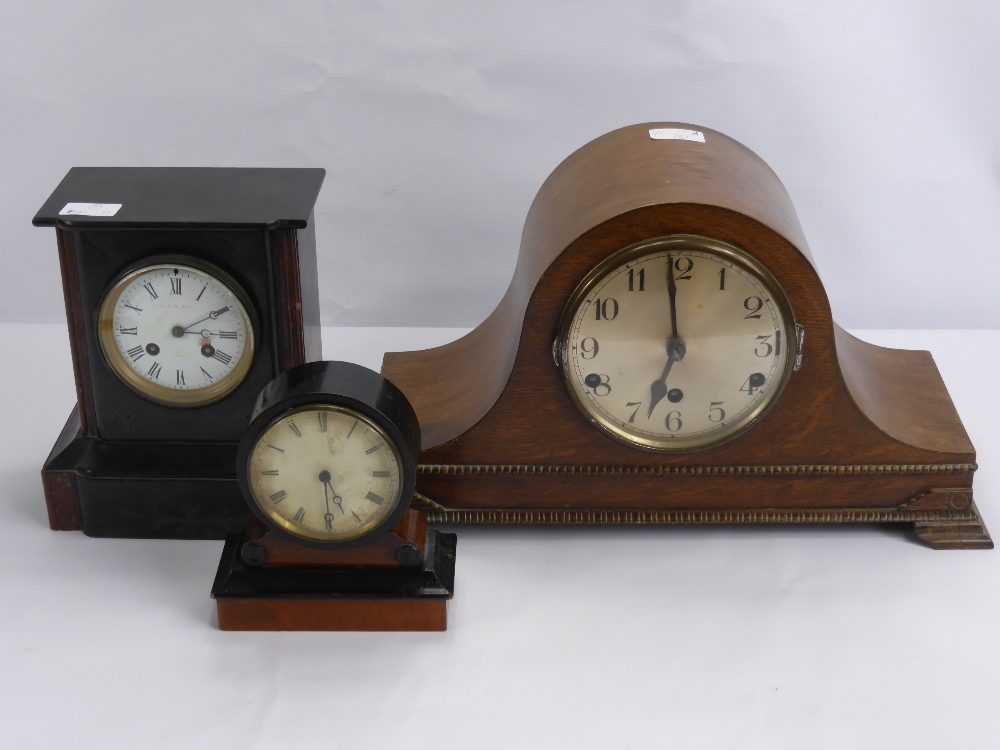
(676, 343)
(178, 334)
(329, 457)
(325, 473)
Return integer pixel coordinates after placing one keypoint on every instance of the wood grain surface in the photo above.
(857, 426)
(610, 176)
(282, 551)
(333, 614)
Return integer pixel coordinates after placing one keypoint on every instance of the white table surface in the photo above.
(715, 637)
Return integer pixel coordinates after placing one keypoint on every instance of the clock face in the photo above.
(325, 473)
(677, 343)
(177, 334)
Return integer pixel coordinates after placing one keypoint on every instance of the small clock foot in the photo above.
(952, 534)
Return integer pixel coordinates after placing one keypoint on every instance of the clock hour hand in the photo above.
(336, 498)
(658, 388)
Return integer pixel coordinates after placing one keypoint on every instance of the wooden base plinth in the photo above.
(943, 518)
(333, 614)
(336, 597)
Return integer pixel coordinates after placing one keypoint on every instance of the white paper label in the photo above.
(90, 209)
(676, 134)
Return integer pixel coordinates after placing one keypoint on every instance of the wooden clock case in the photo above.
(287, 586)
(125, 466)
(860, 434)
(396, 576)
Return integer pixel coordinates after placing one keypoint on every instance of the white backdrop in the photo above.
(686, 638)
(437, 122)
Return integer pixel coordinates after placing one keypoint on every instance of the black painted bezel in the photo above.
(348, 386)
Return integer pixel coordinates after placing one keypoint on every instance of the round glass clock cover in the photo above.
(676, 343)
(176, 333)
(325, 473)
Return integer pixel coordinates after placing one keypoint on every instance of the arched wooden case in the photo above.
(860, 434)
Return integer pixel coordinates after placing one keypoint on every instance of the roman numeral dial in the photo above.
(193, 324)
(336, 473)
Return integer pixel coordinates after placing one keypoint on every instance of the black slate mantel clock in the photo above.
(187, 290)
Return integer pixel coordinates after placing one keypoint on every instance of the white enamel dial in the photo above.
(325, 473)
(677, 343)
(177, 334)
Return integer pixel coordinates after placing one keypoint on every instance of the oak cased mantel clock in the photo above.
(666, 353)
(187, 290)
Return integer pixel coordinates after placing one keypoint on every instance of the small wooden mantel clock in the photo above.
(666, 353)
(328, 465)
(187, 290)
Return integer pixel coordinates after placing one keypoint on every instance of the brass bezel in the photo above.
(160, 393)
(649, 247)
(290, 527)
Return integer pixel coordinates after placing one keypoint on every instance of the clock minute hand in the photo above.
(672, 291)
(324, 478)
(214, 315)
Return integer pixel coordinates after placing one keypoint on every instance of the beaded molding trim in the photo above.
(802, 469)
(438, 513)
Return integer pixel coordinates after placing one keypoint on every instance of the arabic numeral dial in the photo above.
(676, 343)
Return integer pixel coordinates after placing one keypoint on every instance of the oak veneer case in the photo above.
(860, 434)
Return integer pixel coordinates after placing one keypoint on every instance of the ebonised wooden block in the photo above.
(266, 581)
(150, 448)
(853, 432)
